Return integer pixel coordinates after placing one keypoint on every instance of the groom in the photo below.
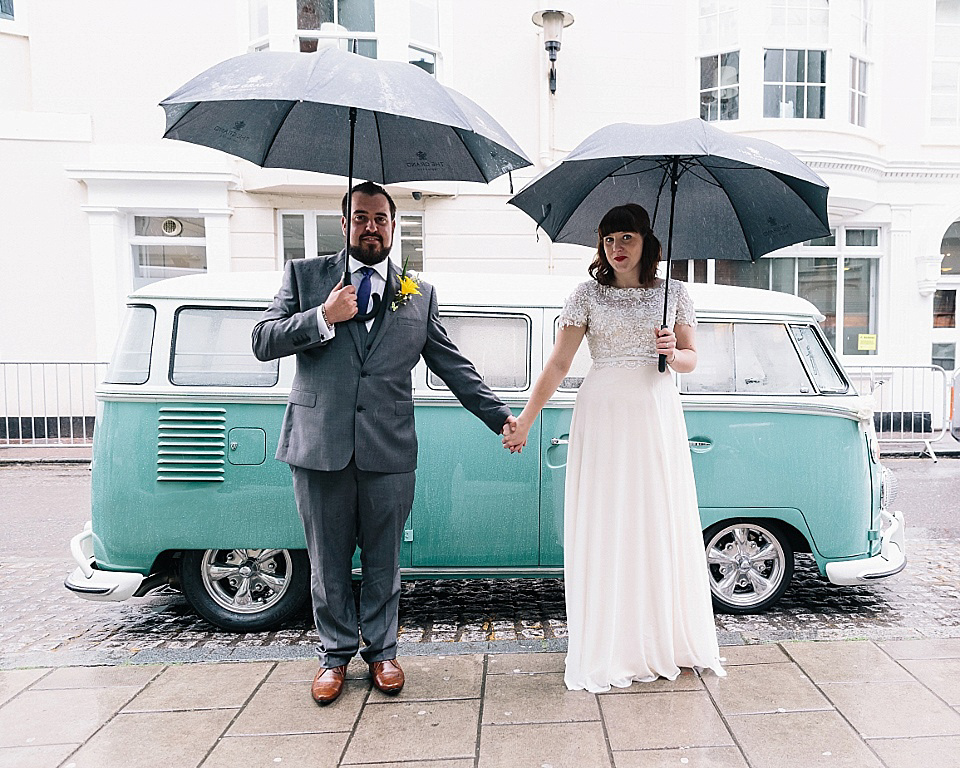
(348, 431)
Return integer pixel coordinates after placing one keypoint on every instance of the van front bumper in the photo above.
(891, 560)
(91, 584)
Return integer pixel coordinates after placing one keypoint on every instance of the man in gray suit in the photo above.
(348, 431)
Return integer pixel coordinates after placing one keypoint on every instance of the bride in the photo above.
(635, 575)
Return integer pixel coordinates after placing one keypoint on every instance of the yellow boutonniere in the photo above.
(409, 286)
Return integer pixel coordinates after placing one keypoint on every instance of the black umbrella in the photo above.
(308, 111)
(731, 197)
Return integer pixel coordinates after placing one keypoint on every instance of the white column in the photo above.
(217, 233)
(112, 269)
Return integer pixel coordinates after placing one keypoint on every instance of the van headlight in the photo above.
(889, 487)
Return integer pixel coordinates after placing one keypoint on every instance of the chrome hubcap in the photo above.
(746, 564)
(246, 580)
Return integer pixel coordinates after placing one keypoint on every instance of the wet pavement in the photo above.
(41, 624)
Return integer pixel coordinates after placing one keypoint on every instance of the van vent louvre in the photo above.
(190, 445)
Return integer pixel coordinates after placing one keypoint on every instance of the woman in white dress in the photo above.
(635, 574)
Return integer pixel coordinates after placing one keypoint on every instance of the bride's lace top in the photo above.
(620, 322)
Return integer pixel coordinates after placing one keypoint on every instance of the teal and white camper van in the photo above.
(186, 491)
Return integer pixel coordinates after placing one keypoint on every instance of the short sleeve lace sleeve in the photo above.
(576, 307)
(686, 314)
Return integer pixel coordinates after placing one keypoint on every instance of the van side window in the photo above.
(580, 365)
(497, 345)
(746, 358)
(131, 358)
(211, 348)
(821, 367)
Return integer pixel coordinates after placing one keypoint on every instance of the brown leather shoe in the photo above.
(387, 675)
(328, 684)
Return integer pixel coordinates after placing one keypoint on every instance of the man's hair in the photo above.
(370, 188)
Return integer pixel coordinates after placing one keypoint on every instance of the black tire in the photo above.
(246, 590)
(750, 564)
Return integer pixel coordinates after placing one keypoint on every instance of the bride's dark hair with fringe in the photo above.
(626, 218)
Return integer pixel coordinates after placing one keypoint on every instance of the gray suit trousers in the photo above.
(340, 510)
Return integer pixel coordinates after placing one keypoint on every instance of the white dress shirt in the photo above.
(378, 281)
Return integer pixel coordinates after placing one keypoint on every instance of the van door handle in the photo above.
(559, 441)
(700, 444)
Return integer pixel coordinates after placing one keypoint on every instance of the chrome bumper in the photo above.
(89, 583)
(891, 560)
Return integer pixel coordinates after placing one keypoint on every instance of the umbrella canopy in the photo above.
(340, 113)
(736, 197)
(292, 110)
(729, 197)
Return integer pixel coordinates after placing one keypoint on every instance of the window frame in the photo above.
(953, 61)
(806, 84)
(719, 88)
(858, 98)
(213, 308)
(134, 240)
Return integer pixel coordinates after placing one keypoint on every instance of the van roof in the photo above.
(479, 289)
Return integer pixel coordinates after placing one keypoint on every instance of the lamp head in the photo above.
(553, 23)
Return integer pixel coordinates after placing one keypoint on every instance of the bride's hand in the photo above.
(666, 343)
(516, 440)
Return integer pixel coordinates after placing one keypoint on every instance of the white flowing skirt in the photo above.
(635, 574)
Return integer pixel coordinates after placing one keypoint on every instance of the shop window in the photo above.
(167, 246)
(950, 251)
(945, 309)
(794, 83)
(720, 87)
(945, 355)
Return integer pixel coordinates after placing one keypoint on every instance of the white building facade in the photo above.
(93, 203)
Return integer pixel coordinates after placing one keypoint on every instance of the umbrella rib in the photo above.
(457, 133)
(736, 213)
(273, 138)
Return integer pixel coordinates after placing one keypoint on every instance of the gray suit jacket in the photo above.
(355, 398)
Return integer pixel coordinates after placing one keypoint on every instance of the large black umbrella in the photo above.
(730, 197)
(309, 111)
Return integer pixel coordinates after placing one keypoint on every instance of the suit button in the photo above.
(363, 374)
(360, 409)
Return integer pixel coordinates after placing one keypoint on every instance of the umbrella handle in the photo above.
(374, 309)
(662, 361)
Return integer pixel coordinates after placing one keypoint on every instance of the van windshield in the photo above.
(131, 357)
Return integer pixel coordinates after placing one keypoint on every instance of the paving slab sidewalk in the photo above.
(806, 704)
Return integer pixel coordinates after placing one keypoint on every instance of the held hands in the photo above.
(666, 343)
(341, 304)
(515, 433)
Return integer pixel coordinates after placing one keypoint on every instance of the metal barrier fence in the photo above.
(911, 402)
(48, 403)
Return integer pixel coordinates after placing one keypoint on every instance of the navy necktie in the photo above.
(363, 290)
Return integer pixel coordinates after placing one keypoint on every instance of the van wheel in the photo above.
(246, 590)
(750, 565)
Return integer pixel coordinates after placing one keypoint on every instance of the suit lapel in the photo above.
(388, 315)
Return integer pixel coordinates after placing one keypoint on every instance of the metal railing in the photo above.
(910, 402)
(52, 403)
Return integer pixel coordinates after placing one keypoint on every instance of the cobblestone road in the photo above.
(41, 624)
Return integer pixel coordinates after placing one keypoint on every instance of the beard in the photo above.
(369, 254)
